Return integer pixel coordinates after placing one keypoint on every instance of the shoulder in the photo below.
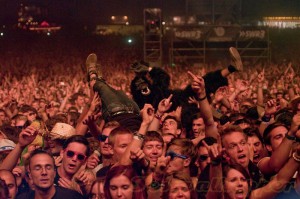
(63, 192)
(26, 195)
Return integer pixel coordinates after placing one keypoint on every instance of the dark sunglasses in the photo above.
(102, 138)
(19, 127)
(172, 154)
(31, 114)
(203, 158)
(80, 156)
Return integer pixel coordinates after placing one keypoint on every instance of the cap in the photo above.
(62, 131)
(6, 145)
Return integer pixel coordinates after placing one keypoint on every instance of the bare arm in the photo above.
(148, 114)
(163, 106)
(88, 120)
(198, 86)
(281, 154)
(215, 171)
(279, 182)
(25, 138)
(260, 95)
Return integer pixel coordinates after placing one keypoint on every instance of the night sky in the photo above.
(91, 12)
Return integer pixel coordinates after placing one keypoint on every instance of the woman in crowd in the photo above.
(236, 182)
(97, 191)
(179, 185)
(122, 181)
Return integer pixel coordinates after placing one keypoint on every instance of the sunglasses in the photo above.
(31, 114)
(172, 154)
(203, 158)
(80, 156)
(102, 138)
(19, 127)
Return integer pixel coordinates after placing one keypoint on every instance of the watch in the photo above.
(289, 137)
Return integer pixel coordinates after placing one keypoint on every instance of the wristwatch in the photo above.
(290, 137)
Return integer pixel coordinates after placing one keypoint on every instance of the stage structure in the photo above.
(216, 28)
(199, 43)
(153, 36)
(206, 31)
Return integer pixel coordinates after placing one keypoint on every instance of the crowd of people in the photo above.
(71, 126)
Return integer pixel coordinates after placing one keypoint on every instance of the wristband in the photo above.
(266, 118)
(289, 137)
(296, 157)
(157, 116)
(203, 98)
(216, 162)
(138, 136)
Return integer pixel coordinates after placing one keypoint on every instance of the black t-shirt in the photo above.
(60, 192)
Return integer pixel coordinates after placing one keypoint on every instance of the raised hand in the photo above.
(136, 155)
(92, 161)
(241, 85)
(164, 105)
(295, 125)
(95, 104)
(57, 160)
(147, 114)
(221, 93)
(160, 168)
(214, 151)
(198, 85)
(90, 120)
(192, 100)
(271, 107)
(261, 76)
(27, 136)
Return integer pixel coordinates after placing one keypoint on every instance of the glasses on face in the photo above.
(31, 114)
(203, 158)
(80, 156)
(102, 138)
(19, 127)
(172, 154)
(245, 106)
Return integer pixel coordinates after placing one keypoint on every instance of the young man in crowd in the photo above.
(78, 100)
(106, 152)
(203, 158)
(153, 147)
(10, 180)
(74, 154)
(198, 125)
(279, 141)
(171, 125)
(256, 143)
(42, 173)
